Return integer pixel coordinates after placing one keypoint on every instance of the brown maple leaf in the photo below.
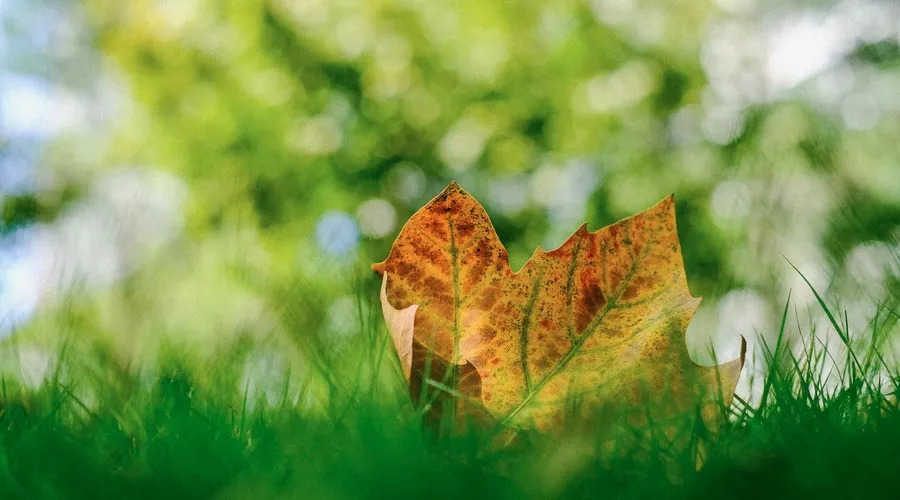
(601, 318)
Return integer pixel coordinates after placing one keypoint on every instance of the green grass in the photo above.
(345, 428)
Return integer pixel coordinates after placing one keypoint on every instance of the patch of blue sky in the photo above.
(20, 277)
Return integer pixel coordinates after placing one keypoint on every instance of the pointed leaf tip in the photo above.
(454, 187)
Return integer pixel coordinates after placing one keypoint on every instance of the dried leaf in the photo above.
(601, 318)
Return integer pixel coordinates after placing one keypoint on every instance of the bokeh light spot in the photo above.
(316, 136)
(377, 218)
(343, 316)
(336, 233)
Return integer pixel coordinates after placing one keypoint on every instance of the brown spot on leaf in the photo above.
(465, 229)
(591, 299)
(487, 331)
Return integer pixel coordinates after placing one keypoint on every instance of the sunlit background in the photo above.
(176, 171)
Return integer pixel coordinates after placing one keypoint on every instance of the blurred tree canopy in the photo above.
(303, 133)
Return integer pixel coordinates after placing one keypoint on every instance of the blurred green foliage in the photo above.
(275, 113)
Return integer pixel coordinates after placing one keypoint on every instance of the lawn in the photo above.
(827, 425)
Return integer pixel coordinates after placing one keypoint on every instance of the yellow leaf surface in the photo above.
(601, 318)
